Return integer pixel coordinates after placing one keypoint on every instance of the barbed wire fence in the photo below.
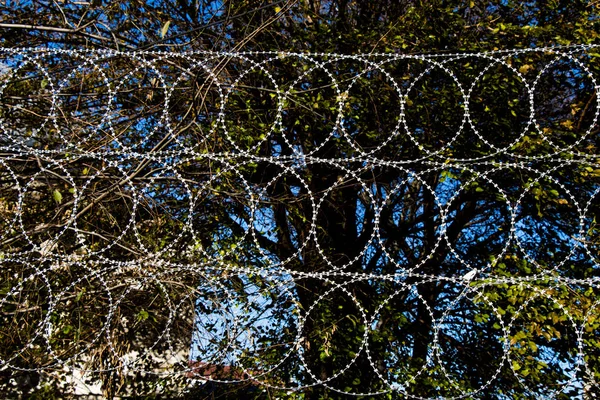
(150, 200)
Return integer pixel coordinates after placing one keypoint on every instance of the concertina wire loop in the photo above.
(154, 142)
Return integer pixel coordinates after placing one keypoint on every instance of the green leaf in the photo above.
(164, 29)
(44, 83)
(532, 346)
(516, 366)
(525, 68)
(57, 196)
(143, 315)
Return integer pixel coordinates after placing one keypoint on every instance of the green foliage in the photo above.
(399, 312)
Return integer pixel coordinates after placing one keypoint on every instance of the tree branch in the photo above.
(77, 31)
